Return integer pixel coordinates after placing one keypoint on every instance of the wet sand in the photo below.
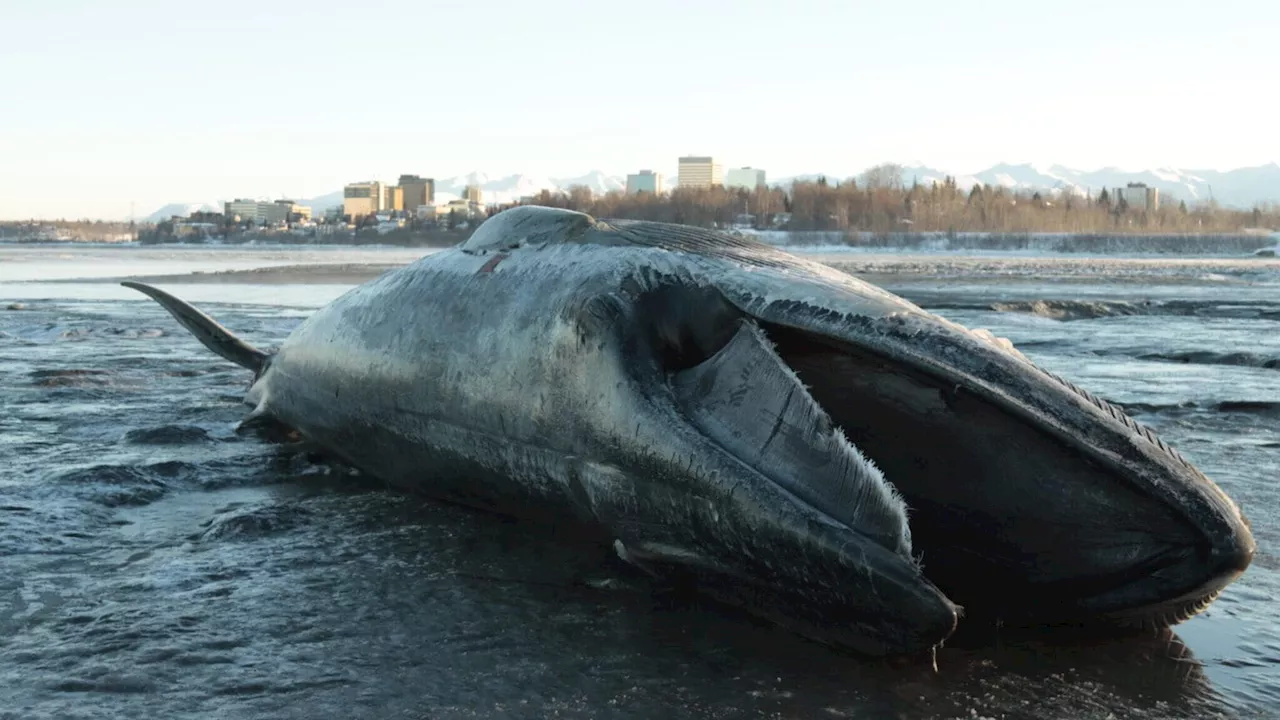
(886, 269)
(345, 274)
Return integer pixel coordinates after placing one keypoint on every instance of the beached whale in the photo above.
(793, 439)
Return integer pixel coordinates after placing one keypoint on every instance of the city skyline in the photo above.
(1240, 188)
(150, 104)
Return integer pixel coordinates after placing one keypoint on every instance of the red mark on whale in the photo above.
(493, 263)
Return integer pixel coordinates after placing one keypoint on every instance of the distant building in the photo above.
(417, 191)
(393, 198)
(697, 171)
(749, 178)
(473, 194)
(186, 229)
(293, 212)
(1137, 196)
(241, 210)
(204, 216)
(645, 181)
(468, 210)
(363, 198)
(259, 212)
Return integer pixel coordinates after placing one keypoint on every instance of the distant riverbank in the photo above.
(321, 235)
(897, 270)
(1055, 243)
(1236, 244)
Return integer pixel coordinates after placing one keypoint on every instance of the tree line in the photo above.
(878, 201)
(89, 230)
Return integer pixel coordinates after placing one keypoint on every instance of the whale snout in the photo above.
(1171, 541)
(1171, 584)
(1171, 570)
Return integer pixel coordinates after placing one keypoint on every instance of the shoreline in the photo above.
(304, 274)
(879, 269)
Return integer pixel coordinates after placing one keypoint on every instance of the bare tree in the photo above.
(874, 204)
(887, 176)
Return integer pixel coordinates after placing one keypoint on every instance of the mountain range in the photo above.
(1242, 187)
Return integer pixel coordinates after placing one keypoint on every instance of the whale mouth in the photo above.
(1010, 517)
(1012, 520)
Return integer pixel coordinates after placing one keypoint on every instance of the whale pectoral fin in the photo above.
(205, 329)
(749, 402)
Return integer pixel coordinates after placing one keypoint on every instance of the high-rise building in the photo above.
(746, 177)
(1137, 196)
(363, 198)
(473, 194)
(645, 181)
(393, 198)
(241, 210)
(697, 171)
(417, 191)
(259, 212)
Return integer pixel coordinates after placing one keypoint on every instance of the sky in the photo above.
(106, 107)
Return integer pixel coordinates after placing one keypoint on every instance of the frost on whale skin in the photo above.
(790, 438)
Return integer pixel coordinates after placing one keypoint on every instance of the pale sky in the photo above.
(107, 103)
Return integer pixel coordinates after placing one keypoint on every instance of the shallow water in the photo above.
(155, 563)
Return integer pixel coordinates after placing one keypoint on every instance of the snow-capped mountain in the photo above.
(597, 181)
(511, 188)
(494, 190)
(1243, 187)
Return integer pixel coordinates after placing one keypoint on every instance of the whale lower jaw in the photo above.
(1165, 615)
(1176, 610)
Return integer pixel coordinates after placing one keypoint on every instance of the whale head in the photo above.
(883, 470)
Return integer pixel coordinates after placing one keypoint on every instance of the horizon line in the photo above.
(1038, 167)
